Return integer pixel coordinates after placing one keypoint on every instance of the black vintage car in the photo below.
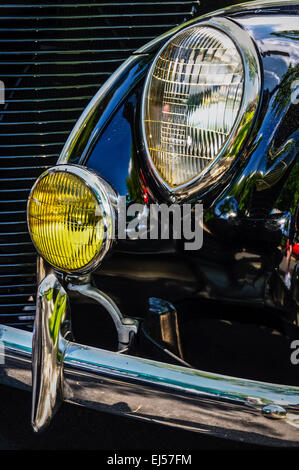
(165, 223)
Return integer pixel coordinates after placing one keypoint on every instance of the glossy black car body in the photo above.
(230, 308)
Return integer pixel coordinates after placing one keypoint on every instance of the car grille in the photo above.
(53, 59)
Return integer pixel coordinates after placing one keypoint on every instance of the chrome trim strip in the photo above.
(250, 102)
(216, 405)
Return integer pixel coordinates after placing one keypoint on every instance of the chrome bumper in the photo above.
(213, 404)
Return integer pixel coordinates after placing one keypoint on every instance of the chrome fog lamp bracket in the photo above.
(126, 327)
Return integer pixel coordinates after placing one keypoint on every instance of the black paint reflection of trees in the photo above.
(289, 196)
(283, 96)
(293, 34)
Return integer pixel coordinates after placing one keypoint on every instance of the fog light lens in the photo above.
(71, 218)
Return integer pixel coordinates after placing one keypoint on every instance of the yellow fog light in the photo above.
(71, 218)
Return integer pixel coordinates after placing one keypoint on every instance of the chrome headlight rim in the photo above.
(252, 89)
(105, 195)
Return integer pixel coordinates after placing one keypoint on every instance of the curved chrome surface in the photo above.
(204, 402)
(52, 326)
(15, 357)
(243, 124)
(223, 406)
(178, 378)
(104, 194)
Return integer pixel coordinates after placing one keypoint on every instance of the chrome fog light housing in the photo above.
(71, 218)
(199, 104)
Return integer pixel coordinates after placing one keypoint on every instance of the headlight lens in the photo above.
(70, 218)
(191, 101)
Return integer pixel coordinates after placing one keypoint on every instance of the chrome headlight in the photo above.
(199, 102)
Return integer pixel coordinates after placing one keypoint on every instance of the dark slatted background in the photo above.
(53, 58)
